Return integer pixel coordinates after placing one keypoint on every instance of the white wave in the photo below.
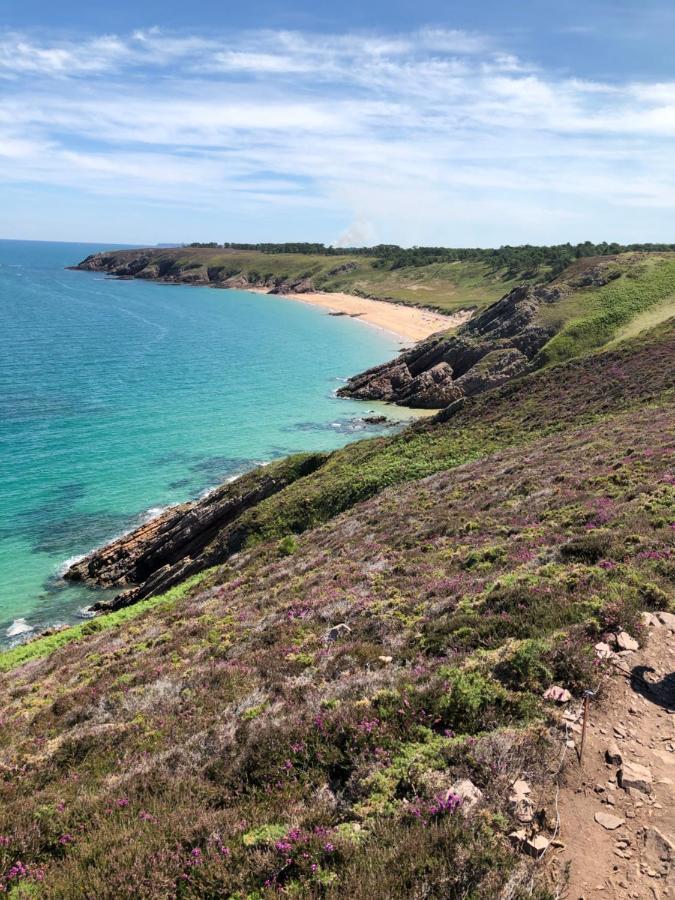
(85, 612)
(63, 567)
(152, 513)
(18, 626)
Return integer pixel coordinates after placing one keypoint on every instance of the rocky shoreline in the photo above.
(440, 373)
(487, 351)
(155, 264)
(185, 538)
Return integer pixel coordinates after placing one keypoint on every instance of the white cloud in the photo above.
(406, 136)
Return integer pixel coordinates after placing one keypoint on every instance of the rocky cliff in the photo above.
(186, 538)
(194, 267)
(484, 353)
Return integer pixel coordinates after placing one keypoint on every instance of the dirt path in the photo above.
(634, 725)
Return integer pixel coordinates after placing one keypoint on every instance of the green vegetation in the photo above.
(589, 319)
(519, 261)
(43, 646)
(485, 424)
(226, 739)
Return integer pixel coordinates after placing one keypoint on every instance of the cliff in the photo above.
(187, 538)
(484, 353)
(197, 267)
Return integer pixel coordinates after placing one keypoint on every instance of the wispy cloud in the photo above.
(415, 138)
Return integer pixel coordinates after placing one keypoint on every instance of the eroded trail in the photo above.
(617, 809)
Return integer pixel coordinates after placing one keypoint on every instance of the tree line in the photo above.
(513, 260)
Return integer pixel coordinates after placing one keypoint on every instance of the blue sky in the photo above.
(408, 122)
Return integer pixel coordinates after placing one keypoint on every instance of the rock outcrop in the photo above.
(184, 267)
(186, 538)
(485, 352)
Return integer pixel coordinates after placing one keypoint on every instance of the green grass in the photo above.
(590, 319)
(447, 287)
(43, 646)
(220, 746)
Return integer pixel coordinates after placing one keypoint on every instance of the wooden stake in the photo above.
(587, 696)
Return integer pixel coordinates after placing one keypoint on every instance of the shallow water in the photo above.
(118, 398)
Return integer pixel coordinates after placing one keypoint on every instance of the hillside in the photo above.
(592, 303)
(340, 698)
(446, 287)
(444, 279)
(516, 325)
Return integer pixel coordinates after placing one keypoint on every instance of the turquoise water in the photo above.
(121, 397)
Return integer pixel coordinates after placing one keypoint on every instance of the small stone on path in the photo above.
(608, 821)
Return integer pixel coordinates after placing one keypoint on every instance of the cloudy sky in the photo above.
(407, 122)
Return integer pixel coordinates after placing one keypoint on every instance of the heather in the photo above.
(292, 722)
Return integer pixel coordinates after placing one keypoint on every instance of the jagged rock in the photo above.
(636, 777)
(432, 389)
(343, 268)
(613, 755)
(337, 632)
(557, 694)
(495, 368)
(490, 349)
(667, 619)
(185, 538)
(533, 846)
(603, 650)
(624, 641)
(658, 853)
(470, 794)
(608, 821)
(519, 801)
(520, 787)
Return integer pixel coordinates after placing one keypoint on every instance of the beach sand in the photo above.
(410, 323)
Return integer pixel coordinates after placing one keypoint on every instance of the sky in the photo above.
(351, 123)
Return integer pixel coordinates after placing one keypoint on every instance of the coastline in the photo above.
(408, 323)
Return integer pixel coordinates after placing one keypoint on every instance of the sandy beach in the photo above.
(410, 323)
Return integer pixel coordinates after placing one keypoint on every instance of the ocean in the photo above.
(119, 398)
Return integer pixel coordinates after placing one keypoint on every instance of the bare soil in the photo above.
(637, 714)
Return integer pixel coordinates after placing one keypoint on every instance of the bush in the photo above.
(471, 701)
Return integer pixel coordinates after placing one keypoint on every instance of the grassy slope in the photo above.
(207, 746)
(446, 286)
(589, 319)
(516, 414)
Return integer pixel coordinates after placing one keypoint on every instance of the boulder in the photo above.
(603, 650)
(667, 619)
(624, 641)
(558, 694)
(636, 777)
(608, 821)
(613, 755)
(470, 794)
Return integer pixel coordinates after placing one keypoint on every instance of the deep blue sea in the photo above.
(118, 398)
